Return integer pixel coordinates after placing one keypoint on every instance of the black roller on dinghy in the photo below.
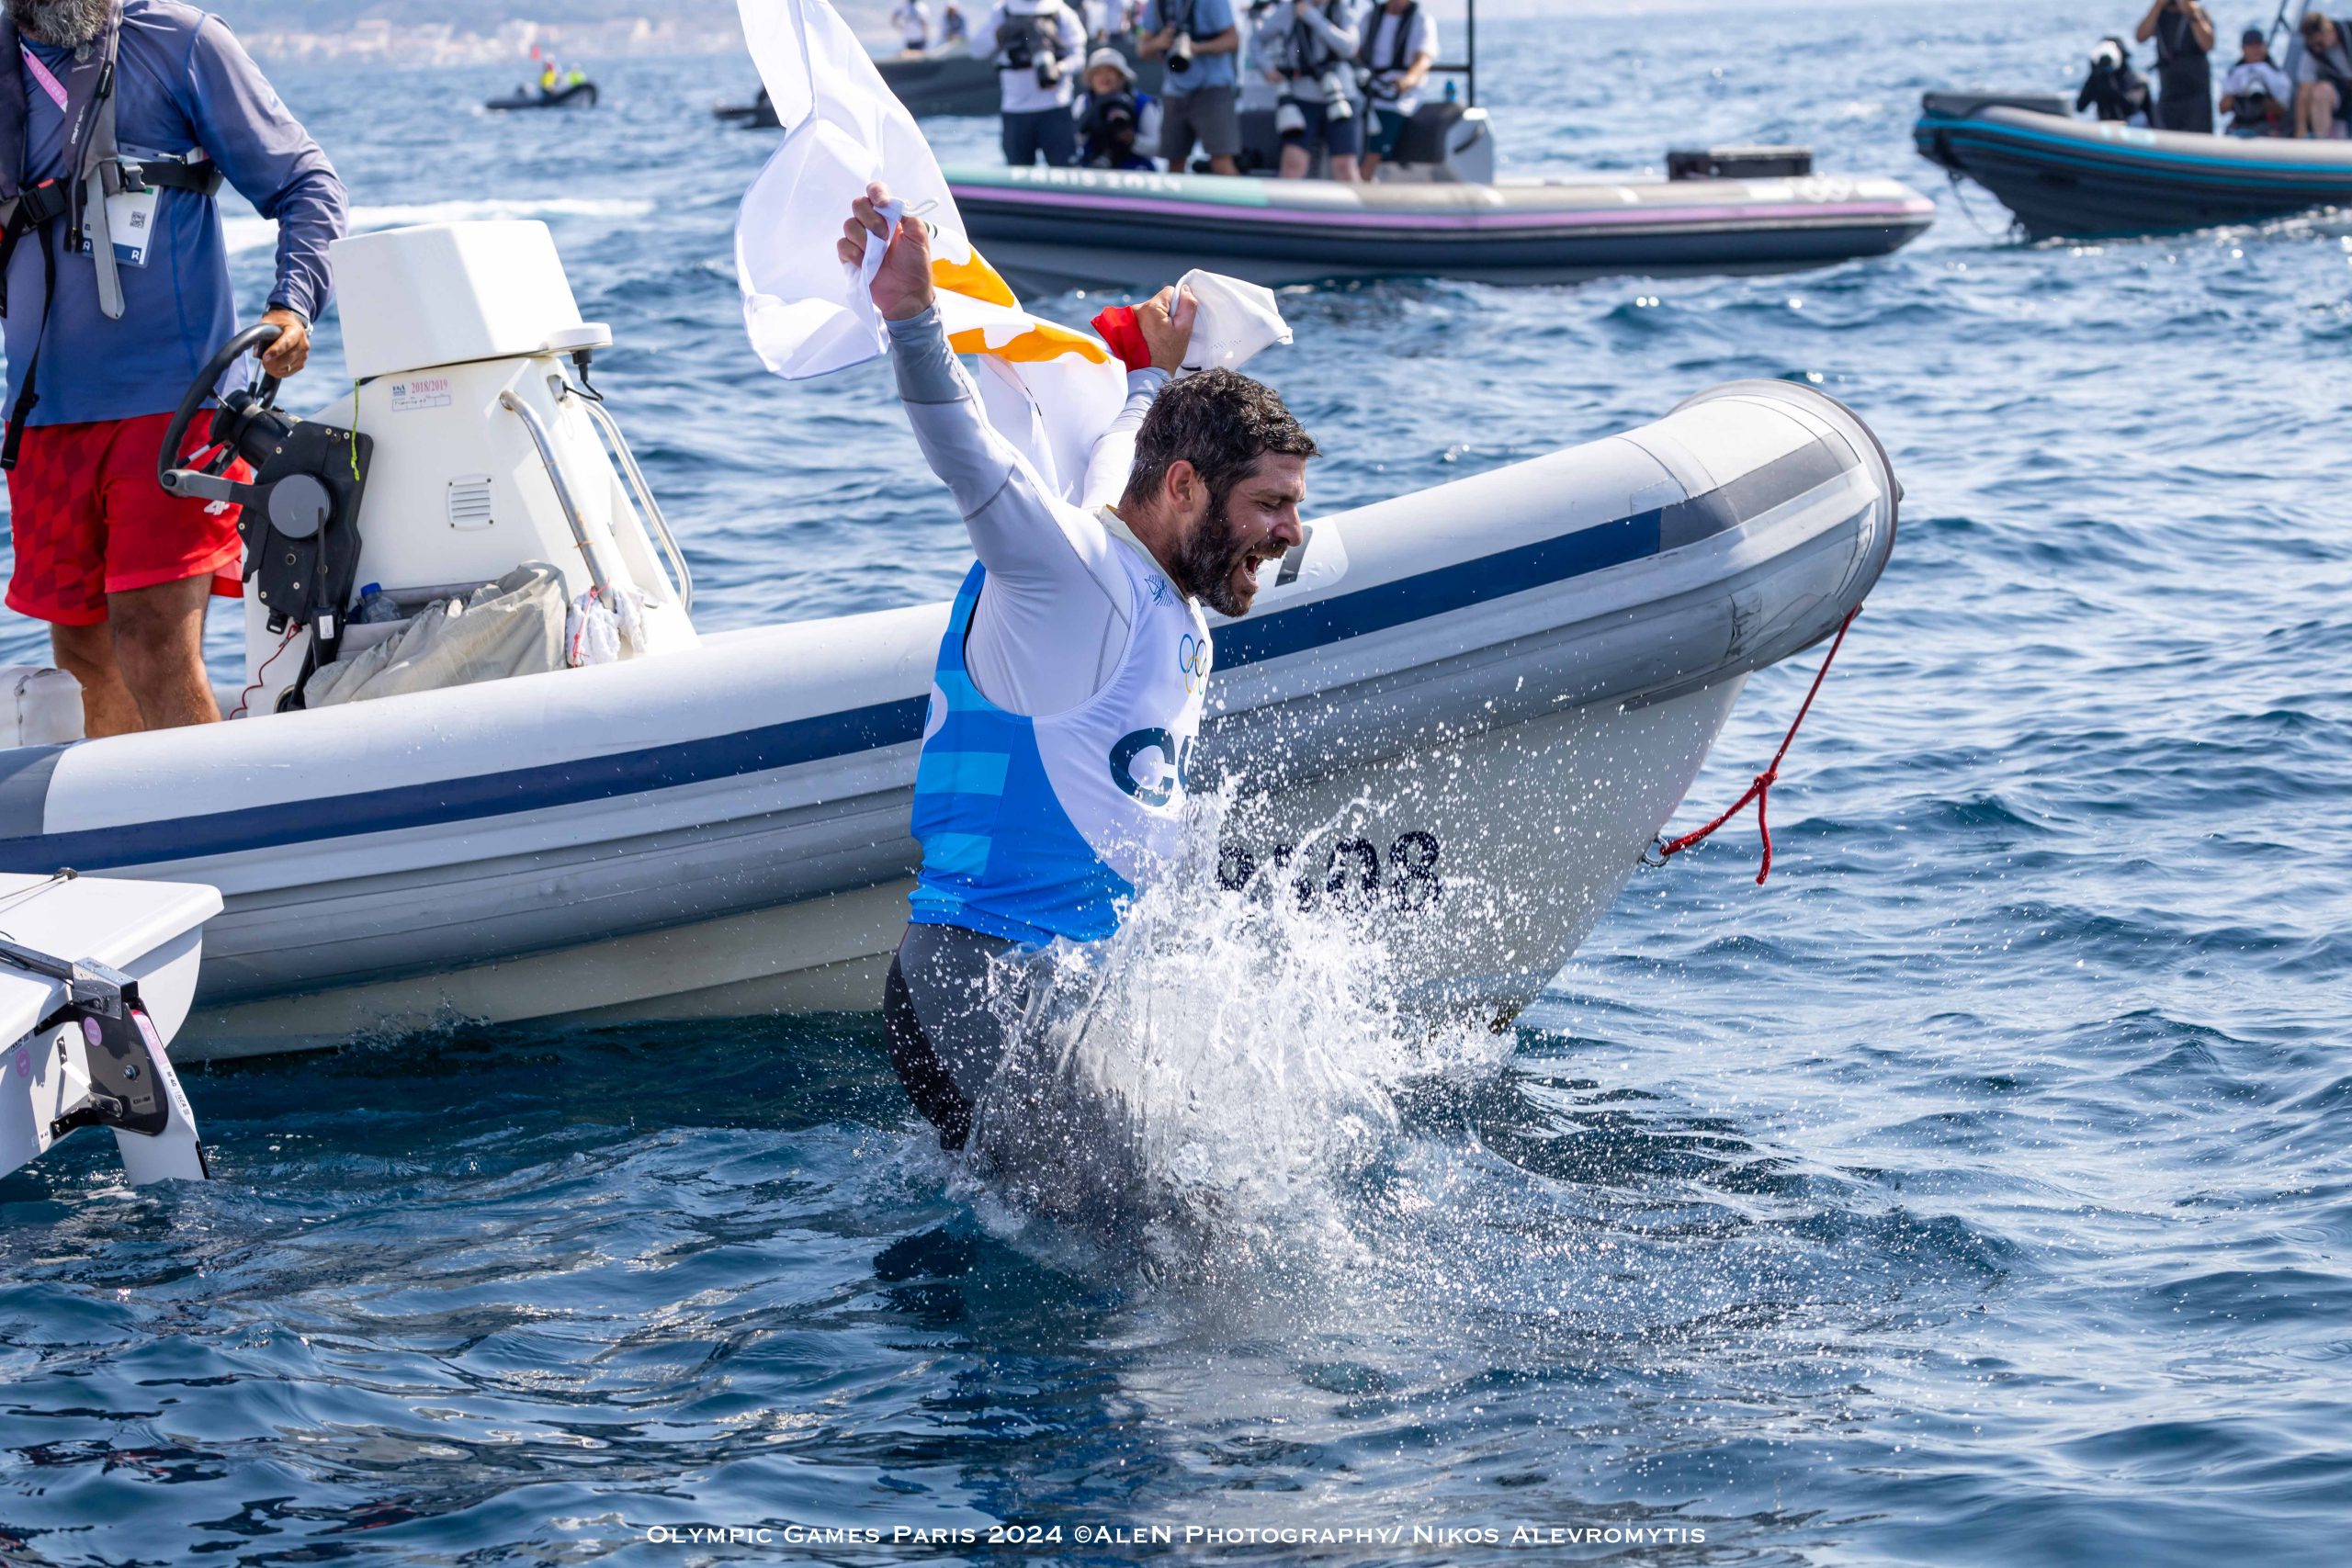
(757, 115)
(578, 95)
(2071, 178)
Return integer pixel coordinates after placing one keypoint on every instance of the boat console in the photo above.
(471, 445)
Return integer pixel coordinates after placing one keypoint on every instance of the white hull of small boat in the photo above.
(1467, 710)
(97, 976)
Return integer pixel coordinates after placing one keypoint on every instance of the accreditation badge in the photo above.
(131, 222)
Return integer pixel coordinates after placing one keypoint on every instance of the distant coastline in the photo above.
(382, 43)
(421, 33)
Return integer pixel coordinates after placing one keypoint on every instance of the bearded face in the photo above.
(1215, 559)
(63, 24)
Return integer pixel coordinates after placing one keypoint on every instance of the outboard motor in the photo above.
(1444, 141)
(300, 509)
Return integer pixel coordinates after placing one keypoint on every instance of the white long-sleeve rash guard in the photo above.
(1052, 620)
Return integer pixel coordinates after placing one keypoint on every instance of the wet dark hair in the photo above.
(1220, 421)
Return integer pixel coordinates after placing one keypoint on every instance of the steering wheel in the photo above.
(206, 483)
(296, 505)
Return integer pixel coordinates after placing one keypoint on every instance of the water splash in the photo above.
(1207, 1089)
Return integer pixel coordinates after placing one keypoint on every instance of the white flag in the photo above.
(1052, 391)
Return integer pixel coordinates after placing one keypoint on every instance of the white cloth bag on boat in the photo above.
(1050, 391)
(512, 627)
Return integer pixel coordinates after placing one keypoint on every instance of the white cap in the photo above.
(1115, 59)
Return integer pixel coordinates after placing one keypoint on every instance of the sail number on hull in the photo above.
(1354, 875)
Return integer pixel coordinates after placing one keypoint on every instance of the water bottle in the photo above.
(375, 607)
(1451, 86)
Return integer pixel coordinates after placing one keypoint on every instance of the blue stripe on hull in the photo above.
(771, 746)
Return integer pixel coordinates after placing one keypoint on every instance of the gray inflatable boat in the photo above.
(1749, 209)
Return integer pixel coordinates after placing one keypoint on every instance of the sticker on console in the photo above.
(420, 392)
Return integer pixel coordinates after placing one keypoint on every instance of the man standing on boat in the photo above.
(1036, 45)
(2184, 36)
(913, 17)
(118, 119)
(1200, 93)
(1399, 52)
(1070, 683)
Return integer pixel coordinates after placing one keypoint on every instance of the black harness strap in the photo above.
(2327, 71)
(1309, 55)
(36, 211)
(131, 175)
(1398, 42)
(29, 393)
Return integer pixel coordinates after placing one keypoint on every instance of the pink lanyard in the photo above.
(41, 74)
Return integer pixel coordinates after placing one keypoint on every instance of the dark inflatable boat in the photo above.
(578, 95)
(1750, 210)
(2091, 179)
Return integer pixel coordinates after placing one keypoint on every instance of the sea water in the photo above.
(1975, 1192)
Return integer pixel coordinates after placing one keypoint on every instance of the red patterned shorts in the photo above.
(89, 520)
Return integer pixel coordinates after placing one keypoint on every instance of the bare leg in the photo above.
(1343, 168)
(86, 654)
(1295, 160)
(1224, 166)
(2314, 109)
(159, 643)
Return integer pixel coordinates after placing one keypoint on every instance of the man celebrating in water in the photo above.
(1070, 684)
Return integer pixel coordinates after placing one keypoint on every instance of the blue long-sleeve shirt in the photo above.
(182, 81)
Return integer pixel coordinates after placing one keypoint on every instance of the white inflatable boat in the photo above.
(96, 977)
(1487, 697)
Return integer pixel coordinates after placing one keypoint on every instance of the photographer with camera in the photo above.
(2184, 36)
(1313, 59)
(1399, 48)
(1109, 120)
(2113, 90)
(2256, 94)
(1036, 45)
(1199, 98)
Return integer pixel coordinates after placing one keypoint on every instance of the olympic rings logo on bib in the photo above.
(1193, 656)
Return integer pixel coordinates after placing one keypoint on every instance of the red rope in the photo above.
(1760, 791)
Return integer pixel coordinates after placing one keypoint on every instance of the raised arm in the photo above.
(1343, 41)
(1022, 530)
(1113, 457)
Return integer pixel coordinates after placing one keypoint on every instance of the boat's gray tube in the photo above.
(432, 836)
